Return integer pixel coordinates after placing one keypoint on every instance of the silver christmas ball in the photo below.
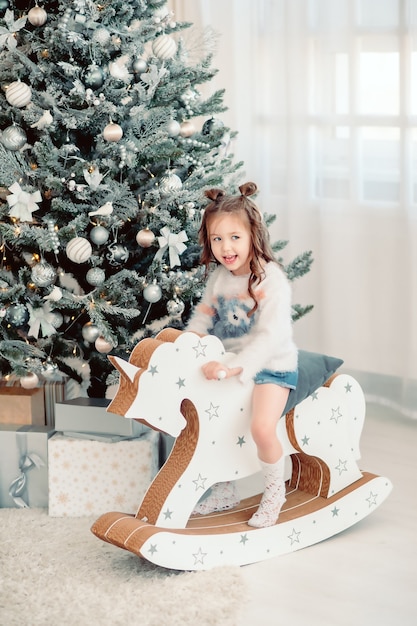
(99, 235)
(139, 66)
(101, 36)
(95, 276)
(49, 369)
(210, 125)
(56, 319)
(145, 238)
(175, 307)
(17, 315)
(170, 183)
(43, 274)
(90, 332)
(152, 293)
(79, 250)
(117, 254)
(173, 128)
(13, 137)
(93, 76)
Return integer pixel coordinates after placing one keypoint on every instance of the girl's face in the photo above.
(231, 242)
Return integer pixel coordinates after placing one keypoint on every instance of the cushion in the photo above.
(313, 371)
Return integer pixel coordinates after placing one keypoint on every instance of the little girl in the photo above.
(247, 304)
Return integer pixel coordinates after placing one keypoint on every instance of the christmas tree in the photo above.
(106, 147)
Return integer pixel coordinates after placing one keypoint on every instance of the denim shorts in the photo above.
(283, 379)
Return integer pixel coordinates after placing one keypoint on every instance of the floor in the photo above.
(364, 576)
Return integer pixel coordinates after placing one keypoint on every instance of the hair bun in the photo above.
(248, 189)
(214, 194)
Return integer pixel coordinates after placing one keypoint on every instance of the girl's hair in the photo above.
(222, 204)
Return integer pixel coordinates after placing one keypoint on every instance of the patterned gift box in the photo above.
(88, 477)
(24, 465)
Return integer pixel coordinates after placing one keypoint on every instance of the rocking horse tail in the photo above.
(309, 473)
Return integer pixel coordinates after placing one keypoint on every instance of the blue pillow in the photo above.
(313, 371)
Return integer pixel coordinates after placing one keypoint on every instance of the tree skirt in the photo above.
(54, 571)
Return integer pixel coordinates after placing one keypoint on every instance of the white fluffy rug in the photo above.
(55, 571)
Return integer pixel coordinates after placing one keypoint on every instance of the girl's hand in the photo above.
(216, 371)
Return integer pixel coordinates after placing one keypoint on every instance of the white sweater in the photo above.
(262, 341)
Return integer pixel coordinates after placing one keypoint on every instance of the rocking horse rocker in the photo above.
(163, 386)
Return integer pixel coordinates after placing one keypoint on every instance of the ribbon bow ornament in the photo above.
(22, 202)
(41, 319)
(172, 242)
(17, 486)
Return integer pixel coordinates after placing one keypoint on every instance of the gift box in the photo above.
(24, 465)
(89, 415)
(22, 406)
(30, 406)
(88, 477)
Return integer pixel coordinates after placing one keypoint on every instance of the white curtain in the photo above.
(323, 94)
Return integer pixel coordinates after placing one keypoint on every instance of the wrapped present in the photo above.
(22, 406)
(24, 465)
(88, 477)
(30, 406)
(90, 415)
(54, 391)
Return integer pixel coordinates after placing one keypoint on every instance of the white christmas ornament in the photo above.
(45, 120)
(18, 94)
(41, 319)
(118, 69)
(164, 47)
(105, 209)
(55, 295)
(22, 202)
(112, 132)
(30, 381)
(174, 243)
(145, 238)
(103, 346)
(152, 293)
(37, 16)
(79, 250)
(8, 37)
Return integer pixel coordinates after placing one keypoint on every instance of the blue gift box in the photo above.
(24, 465)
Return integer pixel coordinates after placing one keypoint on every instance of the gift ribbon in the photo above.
(27, 462)
(172, 242)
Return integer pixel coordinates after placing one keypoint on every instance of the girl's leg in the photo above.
(267, 406)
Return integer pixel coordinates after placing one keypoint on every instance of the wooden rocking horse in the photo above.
(163, 386)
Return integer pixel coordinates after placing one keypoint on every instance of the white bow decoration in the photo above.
(22, 202)
(172, 242)
(40, 319)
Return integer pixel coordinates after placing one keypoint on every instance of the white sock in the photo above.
(223, 496)
(273, 497)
